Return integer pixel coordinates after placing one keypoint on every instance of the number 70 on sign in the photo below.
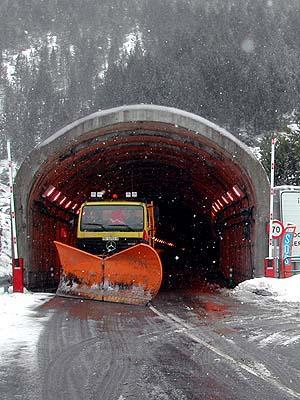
(277, 228)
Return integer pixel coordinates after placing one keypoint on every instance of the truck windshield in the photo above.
(99, 218)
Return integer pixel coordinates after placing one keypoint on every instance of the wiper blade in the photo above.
(94, 224)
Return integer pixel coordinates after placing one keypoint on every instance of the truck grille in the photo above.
(98, 246)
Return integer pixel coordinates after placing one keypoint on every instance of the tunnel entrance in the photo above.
(211, 192)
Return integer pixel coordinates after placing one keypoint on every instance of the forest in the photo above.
(234, 62)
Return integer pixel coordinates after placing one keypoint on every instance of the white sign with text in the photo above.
(290, 214)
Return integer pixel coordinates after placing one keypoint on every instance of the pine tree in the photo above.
(287, 150)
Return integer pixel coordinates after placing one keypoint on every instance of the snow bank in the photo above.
(20, 327)
(282, 290)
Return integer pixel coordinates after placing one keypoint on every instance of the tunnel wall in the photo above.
(45, 158)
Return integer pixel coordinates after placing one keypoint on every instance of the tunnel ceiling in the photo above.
(162, 161)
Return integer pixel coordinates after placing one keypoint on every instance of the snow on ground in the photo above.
(280, 290)
(278, 300)
(264, 338)
(19, 327)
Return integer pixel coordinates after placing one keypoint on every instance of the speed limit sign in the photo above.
(277, 228)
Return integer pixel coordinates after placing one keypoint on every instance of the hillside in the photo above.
(233, 62)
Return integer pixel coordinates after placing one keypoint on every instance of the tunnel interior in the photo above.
(204, 198)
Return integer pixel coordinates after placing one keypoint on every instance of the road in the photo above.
(184, 346)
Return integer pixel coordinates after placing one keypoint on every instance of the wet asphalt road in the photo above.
(186, 346)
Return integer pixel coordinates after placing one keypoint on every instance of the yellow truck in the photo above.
(108, 227)
(114, 258)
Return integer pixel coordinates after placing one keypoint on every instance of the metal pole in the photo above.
(12, 205)
(272, 197)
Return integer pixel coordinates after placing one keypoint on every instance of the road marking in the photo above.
(262, 372)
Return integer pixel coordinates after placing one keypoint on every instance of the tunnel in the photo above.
(211, 193)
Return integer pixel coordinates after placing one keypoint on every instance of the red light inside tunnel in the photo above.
(214, 208)
(220, 203)
(49, 191)
(230, 196)
(75, 205)
(68, 204)
(56, 196)
(237, 191)
(63, 200)
(217, 207)
(225, 200)
(63, 232)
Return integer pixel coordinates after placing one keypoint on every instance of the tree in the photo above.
(287, 163)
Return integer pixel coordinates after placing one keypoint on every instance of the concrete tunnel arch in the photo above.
(167, 155)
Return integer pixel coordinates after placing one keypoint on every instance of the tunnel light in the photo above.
(161, 241)
(217, 206)
(49, 191)
(130, 194)
(214, 208)
(95, 195)
(225, 200)
(68, 204)
(230, 196)
(76, 208)
(63, 200)
(220, 203)
(237, 191)
(56, 196)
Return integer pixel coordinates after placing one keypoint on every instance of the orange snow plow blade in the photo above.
(132, 276)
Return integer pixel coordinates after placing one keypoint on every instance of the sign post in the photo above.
(271, 198)
(286, 251)
(17, 263)
(272, 265)
(270, 269)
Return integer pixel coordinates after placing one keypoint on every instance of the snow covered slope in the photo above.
(5, 228)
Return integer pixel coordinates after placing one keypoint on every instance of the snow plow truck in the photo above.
(114, 259)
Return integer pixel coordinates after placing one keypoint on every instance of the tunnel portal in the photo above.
(210, 191)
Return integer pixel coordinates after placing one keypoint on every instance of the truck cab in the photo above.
(107, 227)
